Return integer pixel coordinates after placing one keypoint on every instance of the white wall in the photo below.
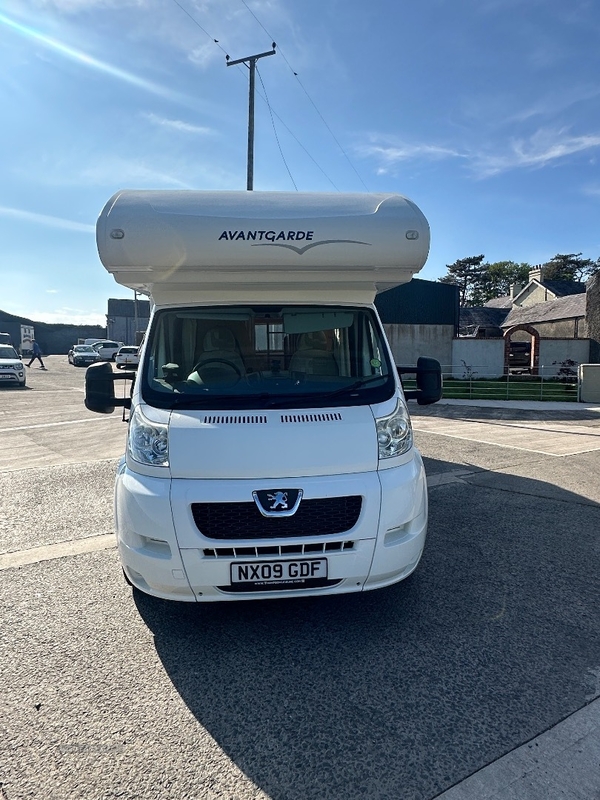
(589, 375)
(483, 358)
(551, 350)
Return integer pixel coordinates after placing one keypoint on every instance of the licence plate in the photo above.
(5, 377)
(258, 573)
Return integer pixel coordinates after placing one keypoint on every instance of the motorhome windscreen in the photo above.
(235, 357)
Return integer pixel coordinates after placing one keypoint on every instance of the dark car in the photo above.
(520, 355)
(80, 355)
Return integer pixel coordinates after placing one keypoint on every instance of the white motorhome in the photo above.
(269, 449)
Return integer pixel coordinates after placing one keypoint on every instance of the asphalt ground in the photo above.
(478, 676)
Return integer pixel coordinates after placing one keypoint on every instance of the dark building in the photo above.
(420, 319)
(420, 302)
(127, 320)
(54, 338)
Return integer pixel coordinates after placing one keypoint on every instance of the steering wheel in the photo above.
(232, 379)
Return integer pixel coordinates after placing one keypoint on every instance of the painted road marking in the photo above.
(51, 424)
(107, 541)
(552, 439)
(34, 555)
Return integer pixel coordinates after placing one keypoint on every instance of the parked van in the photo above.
(269, 450)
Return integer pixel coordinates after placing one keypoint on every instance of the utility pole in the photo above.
(250, 61)
(135, 316)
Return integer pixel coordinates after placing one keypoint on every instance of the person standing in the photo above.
(37, 353)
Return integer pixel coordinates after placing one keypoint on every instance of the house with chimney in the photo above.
(557, 319)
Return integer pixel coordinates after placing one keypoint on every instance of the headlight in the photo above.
(394, 433)
(148, 441)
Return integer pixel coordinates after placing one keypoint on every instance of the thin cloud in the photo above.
(178, 125)
(75, 6)
(389, 155)
(110, 171)
(89, 61)
(591, 191)
(542, 149)
(48, 221)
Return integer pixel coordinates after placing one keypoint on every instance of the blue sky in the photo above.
(486, 113)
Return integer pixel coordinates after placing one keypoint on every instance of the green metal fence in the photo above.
(547, 385)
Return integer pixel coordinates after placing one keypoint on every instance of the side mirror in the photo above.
(100, 388)
(429, 381)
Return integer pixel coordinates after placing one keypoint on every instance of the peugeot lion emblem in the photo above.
(277, 502)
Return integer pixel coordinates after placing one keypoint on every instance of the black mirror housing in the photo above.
(429, 381)
(100, 388)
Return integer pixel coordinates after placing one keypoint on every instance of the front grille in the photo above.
(319, 517)
(268, 551)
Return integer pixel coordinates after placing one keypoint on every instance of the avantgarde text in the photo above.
(269, 236)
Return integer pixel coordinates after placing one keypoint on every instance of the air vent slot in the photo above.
(264, 551)
(235, 419)
(330, 416)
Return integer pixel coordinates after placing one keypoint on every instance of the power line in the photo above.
(333, 135)
(195, 21)
(217, 42)
(302, 146)
(309, 98)
(275, 130)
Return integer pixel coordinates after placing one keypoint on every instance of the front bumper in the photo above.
(164, 554)
(12, 377)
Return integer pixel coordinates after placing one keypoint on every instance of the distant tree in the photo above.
(466, 273)
(570, 267)
(479, 281)
(498, 278)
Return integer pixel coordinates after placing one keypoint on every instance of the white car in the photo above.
(107, 349)
(128, 356)
(12, 369)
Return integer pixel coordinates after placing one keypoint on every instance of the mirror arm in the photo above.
(124, 402)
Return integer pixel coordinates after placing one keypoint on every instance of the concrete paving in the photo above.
(479, 677)
(564, 761)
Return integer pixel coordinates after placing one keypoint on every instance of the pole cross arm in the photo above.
(250, 58)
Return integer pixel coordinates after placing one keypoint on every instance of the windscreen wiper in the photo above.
(224, 401)
(356, 385)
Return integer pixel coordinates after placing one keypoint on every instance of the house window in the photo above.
(268, 337)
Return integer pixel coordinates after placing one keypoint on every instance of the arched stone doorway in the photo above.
(535, 347)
